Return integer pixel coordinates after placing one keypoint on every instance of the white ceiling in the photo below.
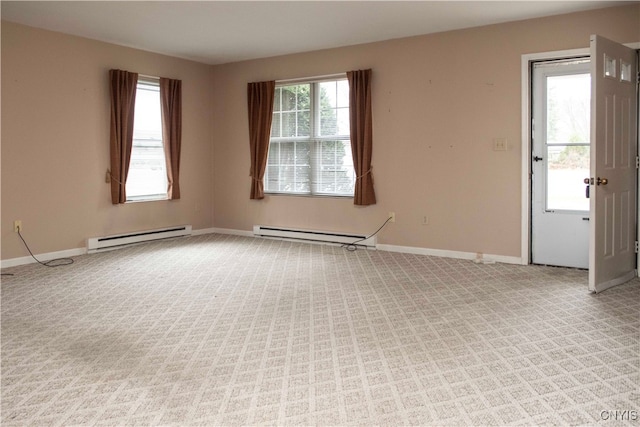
(216, 32)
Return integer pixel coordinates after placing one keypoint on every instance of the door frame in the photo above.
(559, 234)
(526, 97)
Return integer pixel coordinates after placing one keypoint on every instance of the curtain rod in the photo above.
(308, 79)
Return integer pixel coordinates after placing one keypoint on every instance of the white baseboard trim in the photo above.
(202, 231)
(486, 258)
(14, 262)
(245, 233)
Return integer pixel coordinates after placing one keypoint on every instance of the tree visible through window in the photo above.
(568, 128)
(310, 148)
(147, 179)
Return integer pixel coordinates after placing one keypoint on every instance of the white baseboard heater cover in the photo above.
(313, 236)
(96, 244)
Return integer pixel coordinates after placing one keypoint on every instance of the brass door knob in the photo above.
(602, 181)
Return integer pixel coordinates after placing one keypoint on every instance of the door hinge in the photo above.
(637, 162)
(637, 250)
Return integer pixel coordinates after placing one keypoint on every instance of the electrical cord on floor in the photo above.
(58, 262)
(353, 247)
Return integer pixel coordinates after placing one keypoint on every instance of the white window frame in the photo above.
(314, 137)
(153, 82)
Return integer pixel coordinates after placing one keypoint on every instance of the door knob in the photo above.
(602, 181)
(587, 181)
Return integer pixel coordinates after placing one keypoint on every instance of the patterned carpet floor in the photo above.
(228, 330)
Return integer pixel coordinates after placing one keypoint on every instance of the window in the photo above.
(310, 148)
(568, 133)
(147, 179)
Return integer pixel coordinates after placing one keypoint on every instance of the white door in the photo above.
(561, 107)
(613, 164)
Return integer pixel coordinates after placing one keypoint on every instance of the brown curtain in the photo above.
(171, 106)
(123, 101)
(260, 102)
(361, 135)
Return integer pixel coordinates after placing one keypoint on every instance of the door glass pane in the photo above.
(568, 137)
(625, 71)
(568, 109)
(609, 66)
(567, 166)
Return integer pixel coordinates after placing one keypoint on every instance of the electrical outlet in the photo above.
(17, 225)
(392, 215)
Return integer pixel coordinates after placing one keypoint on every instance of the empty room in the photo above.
(319, 213)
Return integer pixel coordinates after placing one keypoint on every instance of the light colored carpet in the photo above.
(227, 330)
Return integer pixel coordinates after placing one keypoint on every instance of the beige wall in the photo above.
(438, 103)
(55, 141)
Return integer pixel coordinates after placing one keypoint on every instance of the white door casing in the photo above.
(612, 257)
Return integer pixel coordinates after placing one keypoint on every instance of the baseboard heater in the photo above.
(314, 236)
(96, 244)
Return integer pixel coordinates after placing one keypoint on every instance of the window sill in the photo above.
(147, 199)
(314, 196)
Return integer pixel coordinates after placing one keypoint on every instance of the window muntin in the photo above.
(310, 147)
(147, 178)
